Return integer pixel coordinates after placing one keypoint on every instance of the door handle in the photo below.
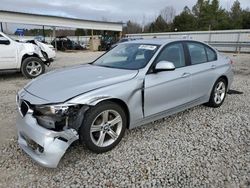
(185, 75)
(213, 66)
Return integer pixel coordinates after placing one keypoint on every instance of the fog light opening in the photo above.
(40, 149)
(62, 139)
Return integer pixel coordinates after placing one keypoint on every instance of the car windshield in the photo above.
(3, 37)
(128, 56)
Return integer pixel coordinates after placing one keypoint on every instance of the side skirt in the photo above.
(9, 70)
(169, 112)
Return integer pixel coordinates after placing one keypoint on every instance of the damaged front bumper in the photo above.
(44, 146)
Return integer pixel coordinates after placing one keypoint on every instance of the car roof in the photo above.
(157, 41)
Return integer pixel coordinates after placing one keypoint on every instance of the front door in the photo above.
(8, 54)
(168, 89)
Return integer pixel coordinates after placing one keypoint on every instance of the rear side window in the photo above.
(211, 55)
(197, 53)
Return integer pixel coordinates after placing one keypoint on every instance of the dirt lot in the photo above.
(196, 148)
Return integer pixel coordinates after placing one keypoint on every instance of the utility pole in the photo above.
(54, 37)
(2, 26)
(209, 27)
(6, 28)
(43, 34)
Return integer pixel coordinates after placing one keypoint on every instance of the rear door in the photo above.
(202, 68)
(168, 89)
(8, 54)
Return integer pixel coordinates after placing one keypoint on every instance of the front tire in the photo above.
(218, 93)
(32, 67)
(103, 127)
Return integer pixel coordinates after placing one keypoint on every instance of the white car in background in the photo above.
(48, 50)
(29, 58)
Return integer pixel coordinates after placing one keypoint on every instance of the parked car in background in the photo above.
(106, 42)
(133, 84)
(39, 38)
(48, 51)
(25, 57)
(63, 43)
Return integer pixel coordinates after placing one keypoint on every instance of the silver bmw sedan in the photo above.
(134, 83)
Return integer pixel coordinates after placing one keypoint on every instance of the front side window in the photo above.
(3, 40)
(173, 53)
(197, 53)
(130, 56)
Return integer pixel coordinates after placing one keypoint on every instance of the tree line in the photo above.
(204, 15)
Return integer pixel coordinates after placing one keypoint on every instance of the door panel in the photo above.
(166, 90)
(203, 66)
(8, 55)
(202, 79)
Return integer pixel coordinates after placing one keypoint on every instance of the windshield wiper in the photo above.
(104, 66)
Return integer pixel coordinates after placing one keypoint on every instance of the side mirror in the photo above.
(5, 42)
(164, 66)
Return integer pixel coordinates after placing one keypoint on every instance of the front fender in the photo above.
(90, 101)
(129, 92)
(30, 49)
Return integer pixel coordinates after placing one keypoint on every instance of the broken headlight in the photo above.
(53, 109)
(56, 117)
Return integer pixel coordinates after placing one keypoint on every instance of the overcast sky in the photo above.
(110, 10)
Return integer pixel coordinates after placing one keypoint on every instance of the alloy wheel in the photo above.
(106, 128)
(219, 92)
(34, 68)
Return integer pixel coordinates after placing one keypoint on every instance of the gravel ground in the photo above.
(200, 147)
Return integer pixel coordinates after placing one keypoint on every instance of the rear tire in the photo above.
(218, 93)
(32, 67)
(103, 127)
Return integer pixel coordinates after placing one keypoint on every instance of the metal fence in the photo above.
(78, 39)
(226, 40)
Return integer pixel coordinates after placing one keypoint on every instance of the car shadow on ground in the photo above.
(10, 75)
(234, 92)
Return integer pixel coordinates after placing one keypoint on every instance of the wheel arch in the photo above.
(29, 55)
(25, 56)
(120, 103)
(225, 78)
(25, 60)
(222, 76)
(210, 102)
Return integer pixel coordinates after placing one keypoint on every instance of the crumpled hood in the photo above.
(28, 48)
(43, 46)
(63, 84)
